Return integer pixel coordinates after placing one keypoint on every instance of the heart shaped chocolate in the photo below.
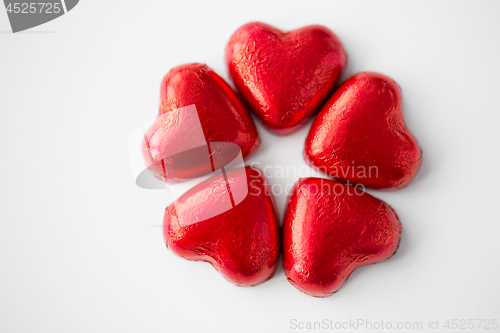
(197, 107)
(331, 229)
(229, 221)
(360, 136)
(284, 76)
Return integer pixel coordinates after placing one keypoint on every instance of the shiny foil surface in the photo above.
(222, 115)
(242, 243)
(284, 77)
(330, 229)
(360, 136)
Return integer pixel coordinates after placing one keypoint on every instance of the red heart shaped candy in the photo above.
(218, 115)
(229, 221)
(284, 76)
(360, 136)
(330, 230)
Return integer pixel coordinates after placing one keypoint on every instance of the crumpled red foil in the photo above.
(242, 241)
(331, 229)
(360, 136)
(219, 116)
(285, 77)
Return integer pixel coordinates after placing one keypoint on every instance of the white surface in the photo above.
(77, 253)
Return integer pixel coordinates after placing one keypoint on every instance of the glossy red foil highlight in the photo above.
(284, 77)
(360, 136)
(331, 229)
(243, 243)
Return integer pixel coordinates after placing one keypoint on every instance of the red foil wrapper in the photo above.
(285, 77)
(197, 107)
(229, 221)
(360, 136)
(331, 229)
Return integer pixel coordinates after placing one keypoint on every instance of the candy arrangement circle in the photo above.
(358, 137)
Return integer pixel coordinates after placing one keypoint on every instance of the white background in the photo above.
(78, 248)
